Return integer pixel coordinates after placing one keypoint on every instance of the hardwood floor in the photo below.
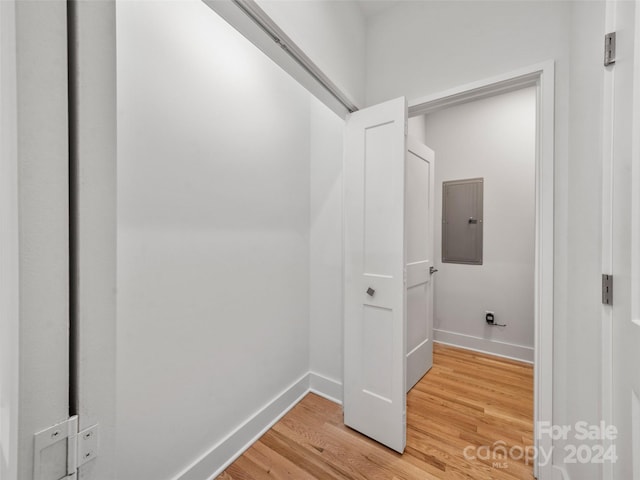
(466, 402)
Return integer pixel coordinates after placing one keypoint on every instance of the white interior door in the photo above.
(419, 184)
(625, 246)
(374, 314)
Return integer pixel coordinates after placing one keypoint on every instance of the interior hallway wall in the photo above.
(325, 237)
(213, 234)
(493, 138)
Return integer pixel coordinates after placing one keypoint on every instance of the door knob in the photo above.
(473, 220)
(370, 291)
(432, 270)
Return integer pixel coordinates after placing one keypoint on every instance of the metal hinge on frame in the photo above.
(607, 289)
(609, 49)
(82, 447)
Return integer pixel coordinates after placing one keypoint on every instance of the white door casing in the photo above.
(542, 76)
(629, 332)
(623, 127)
(92, 68)
(375, 322)
(419, 228)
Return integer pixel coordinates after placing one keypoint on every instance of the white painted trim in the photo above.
(93, 216)
(326, 387)
(10, 247)
(543, 76)
(484, 345)
(544, 262)
(606, 335)
(635, 163)
(560, 473)
(517, 79)
(225, 452)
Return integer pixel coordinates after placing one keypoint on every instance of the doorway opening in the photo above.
(484, 219)
(538, 80)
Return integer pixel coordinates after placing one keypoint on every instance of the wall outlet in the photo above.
(490, 317)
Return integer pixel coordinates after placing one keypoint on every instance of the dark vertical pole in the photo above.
(73, 207)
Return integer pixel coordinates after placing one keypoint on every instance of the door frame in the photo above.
(606, 342)
(92, 74)
(542, 76)
(613, 17)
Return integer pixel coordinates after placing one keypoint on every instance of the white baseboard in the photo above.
(325, 387)
(483, 345)
(559, 473)
(223, 454)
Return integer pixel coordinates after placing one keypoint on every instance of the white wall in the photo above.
(325, 242)
(493, 138)
(213, 240)
(406, 54)
(331, 33)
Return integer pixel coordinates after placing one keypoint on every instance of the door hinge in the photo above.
(82, 447)
(609, 49)
(607, 289)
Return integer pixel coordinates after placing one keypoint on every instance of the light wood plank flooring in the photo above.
(467, 400)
